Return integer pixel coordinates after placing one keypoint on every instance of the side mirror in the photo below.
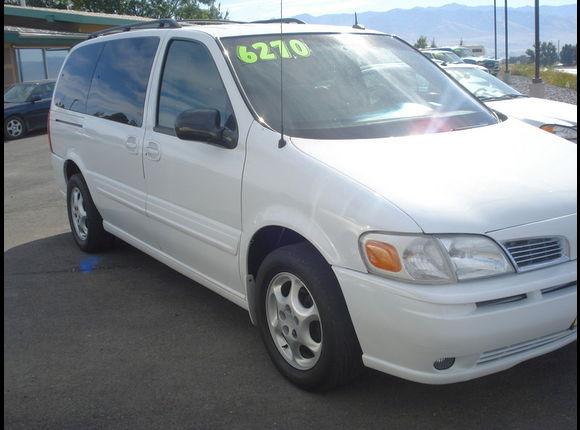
(205, 125)
(34, 98)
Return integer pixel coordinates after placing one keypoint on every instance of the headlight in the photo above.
(428, 259)
(562, 131)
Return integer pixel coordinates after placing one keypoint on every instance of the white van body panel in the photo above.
(463, 181)
(198, 206)
(288, 188)
(194, 188)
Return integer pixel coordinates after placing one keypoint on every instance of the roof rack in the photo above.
(156, 23)
(209, 21)
(171, 23)
(279, 21)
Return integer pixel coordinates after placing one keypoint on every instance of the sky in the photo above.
(250, 10)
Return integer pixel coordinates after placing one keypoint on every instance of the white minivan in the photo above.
(357, 201)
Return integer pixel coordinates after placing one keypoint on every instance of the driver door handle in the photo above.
(132, 145)
(152, 151)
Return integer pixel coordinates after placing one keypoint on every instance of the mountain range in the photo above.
(473, 24)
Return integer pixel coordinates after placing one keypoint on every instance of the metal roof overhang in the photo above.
(52, 15)
(19, 38)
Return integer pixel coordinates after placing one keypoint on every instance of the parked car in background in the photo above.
(26, 107)
(469, 57)
(444, 56)
(552, 116)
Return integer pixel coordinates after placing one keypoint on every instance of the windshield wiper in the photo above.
(504, 97)
(467, 127)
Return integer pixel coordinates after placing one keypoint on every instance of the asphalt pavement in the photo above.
(120, 341)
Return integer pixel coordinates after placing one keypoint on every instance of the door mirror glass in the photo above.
(204, 125)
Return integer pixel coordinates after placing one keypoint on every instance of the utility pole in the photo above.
(507, 70)
(537, 89)
(495, 26)
(537, 77)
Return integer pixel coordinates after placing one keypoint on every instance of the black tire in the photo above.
(340, 358)
(9, 135)
(97, 239)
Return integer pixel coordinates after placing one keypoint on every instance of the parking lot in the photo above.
(118, 340)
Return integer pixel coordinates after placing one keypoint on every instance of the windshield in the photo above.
(463, 52)
(448, 57)
(18, 93)
(350, 86)
(482, 84)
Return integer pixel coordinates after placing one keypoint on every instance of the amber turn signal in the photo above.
(383, 256)
(548, 127)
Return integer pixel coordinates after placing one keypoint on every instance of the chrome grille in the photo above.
(529, 254)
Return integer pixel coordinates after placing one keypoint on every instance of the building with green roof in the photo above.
(37, 40)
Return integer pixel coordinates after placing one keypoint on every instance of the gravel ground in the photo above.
(566, 95)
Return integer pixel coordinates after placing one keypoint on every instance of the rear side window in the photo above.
(119, 85)
(75, 78)
(190, 80)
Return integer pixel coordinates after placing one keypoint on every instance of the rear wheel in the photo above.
(303, 319)
(14, 128)
(85, 220)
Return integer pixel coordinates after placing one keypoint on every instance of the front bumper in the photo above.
(403, 329)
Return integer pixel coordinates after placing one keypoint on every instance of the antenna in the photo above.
(356, 25)
(282, 141)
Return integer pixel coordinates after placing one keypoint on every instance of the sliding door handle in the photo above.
(152, 151)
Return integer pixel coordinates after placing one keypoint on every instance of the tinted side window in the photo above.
(44, 91)
(75, 78)
(120, 80)
(190, 80)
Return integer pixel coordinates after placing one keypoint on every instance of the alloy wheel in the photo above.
(14, 127)
(294, 321)
(79, 214)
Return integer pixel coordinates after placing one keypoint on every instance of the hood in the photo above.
(469, 181)
(537, 112)
(481, 59)
(465, 66)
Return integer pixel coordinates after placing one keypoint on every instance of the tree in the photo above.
(52, 4)
(548, 54)
(178, 9)
(433, 44)
(568, 55)
(520, 59)
(421, 43)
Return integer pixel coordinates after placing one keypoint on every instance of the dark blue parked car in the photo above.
(26, 107)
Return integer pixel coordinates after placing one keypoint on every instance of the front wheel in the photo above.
(304, 321)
